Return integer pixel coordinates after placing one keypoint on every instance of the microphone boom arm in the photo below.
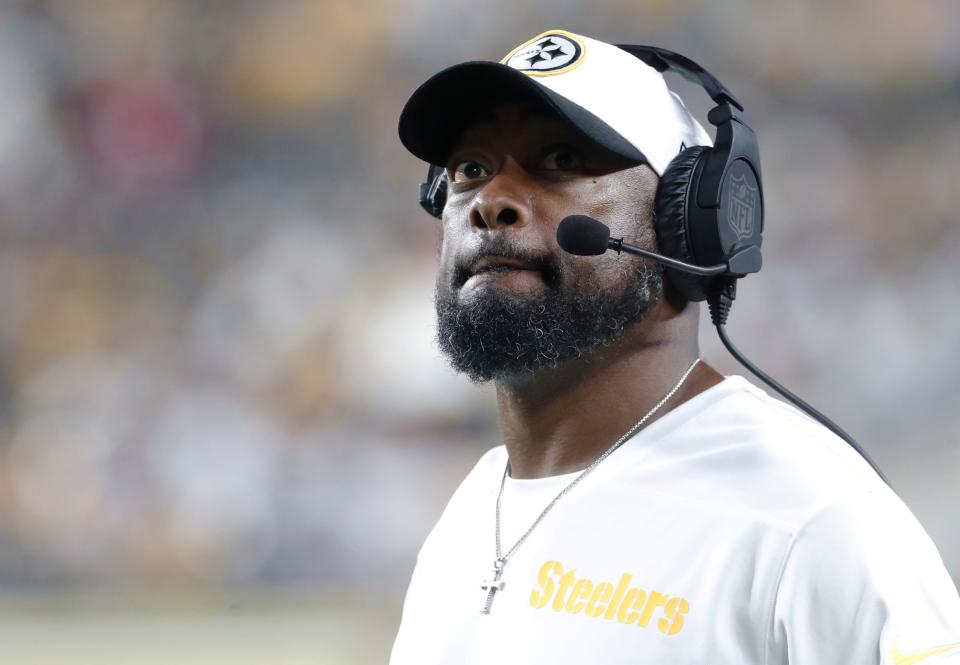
(618, 245)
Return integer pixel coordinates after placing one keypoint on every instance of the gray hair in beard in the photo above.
(497, 335)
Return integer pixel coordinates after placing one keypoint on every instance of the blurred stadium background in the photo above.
(224, 430)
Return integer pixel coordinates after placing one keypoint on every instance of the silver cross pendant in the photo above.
(493, 585)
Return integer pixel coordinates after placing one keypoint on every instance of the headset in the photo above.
(708, 211)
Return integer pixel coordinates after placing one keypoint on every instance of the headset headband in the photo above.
(662, 60)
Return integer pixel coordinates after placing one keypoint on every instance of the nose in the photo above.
(503, 201)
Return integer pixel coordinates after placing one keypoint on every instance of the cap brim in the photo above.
(439, 111)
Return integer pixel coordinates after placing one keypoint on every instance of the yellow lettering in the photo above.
(563, 591)
(565, 582)
(623, 615)
(621, 589)
(601, 593)
(655, 600)
(675, 610)
(638, 603)
(539, 599)
(578, 596)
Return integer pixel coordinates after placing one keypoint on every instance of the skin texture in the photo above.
(518, 170)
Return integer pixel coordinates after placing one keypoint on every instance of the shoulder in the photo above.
(856, 563)
(861, 576)
(747, 451)
(470, 501)
(482, 480)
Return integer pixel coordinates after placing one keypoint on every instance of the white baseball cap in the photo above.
(610, 95)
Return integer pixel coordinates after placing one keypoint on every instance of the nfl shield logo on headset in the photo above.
(743, 199)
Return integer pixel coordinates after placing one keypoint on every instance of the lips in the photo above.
(509, 270)
(499, 264)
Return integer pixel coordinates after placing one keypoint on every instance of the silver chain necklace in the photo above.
(495, 584)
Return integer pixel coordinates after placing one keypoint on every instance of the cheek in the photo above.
(602, 200)
(591, 274)
(621, 200)
(449, 242)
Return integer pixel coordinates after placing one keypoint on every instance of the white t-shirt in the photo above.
(733, 529)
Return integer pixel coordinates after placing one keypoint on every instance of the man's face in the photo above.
(509, 300)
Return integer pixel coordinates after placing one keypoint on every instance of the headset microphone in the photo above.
(585, 236)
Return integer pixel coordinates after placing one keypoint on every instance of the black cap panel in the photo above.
(439, 111)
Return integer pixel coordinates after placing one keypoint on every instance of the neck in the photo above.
(560, 420)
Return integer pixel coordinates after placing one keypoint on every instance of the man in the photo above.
(644, 508)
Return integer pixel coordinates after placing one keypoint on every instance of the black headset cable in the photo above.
(719, 304)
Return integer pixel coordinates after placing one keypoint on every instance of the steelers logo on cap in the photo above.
(550, 53)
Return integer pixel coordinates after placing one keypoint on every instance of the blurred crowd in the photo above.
(216, 319)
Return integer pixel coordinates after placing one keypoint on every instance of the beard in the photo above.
(497, 335)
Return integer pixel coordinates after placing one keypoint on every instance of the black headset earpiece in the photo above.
(709, 205)
(669, 218)
(433, 192)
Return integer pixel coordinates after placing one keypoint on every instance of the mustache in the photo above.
(501, 247)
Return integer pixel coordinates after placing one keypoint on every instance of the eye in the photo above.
(468, 170)
(562, 158)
